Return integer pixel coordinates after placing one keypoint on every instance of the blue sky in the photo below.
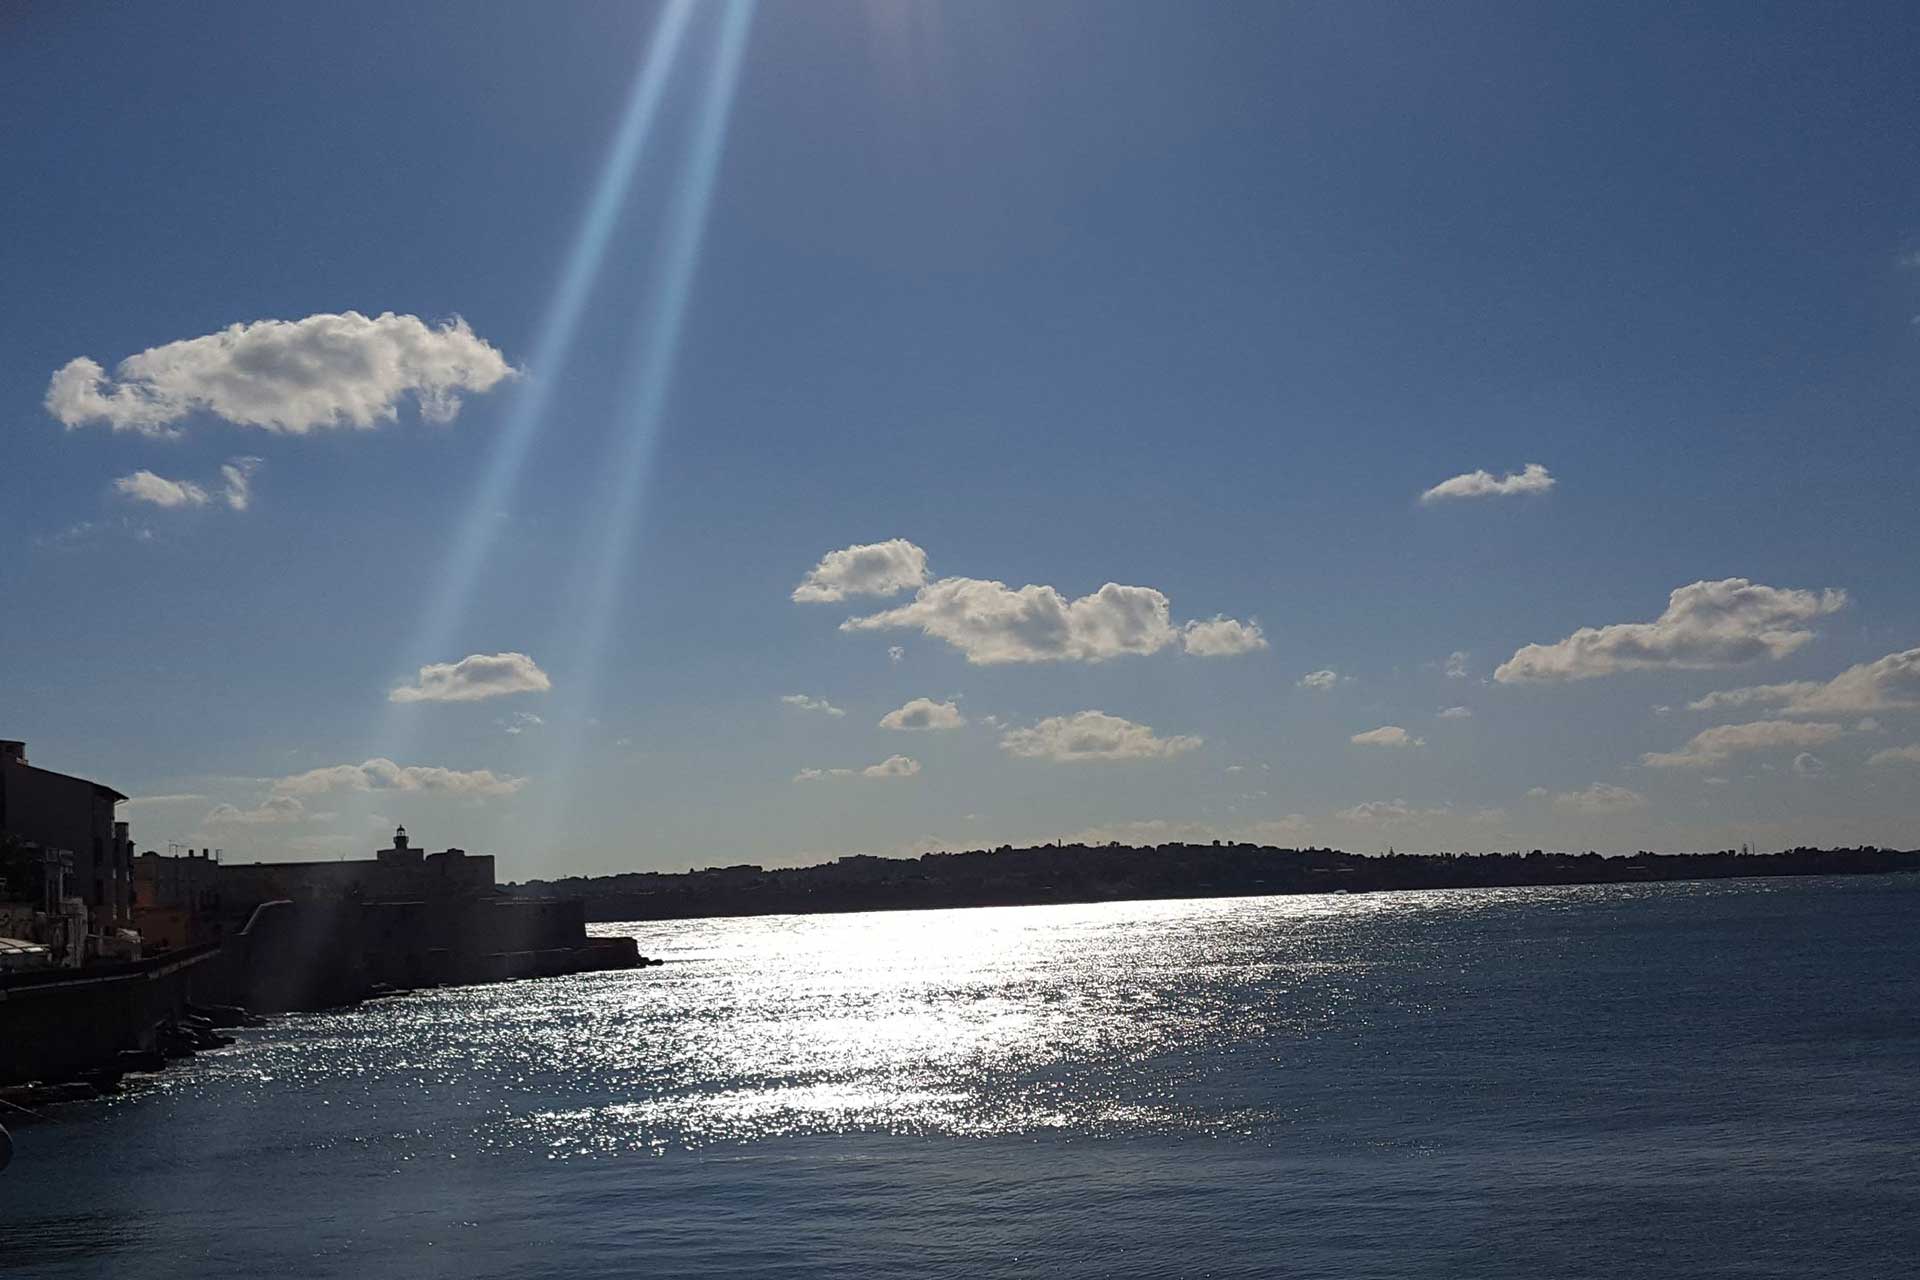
(1198, 302)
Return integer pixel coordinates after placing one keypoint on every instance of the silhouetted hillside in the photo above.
(1110, 873)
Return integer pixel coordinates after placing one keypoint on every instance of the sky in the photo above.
(636, 437)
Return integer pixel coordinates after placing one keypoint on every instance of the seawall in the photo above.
(61, 1023)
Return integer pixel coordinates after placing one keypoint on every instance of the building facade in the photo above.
(68, 824)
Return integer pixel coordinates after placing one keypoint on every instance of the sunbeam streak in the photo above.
(554, 341)
(661, 321)
(437, 636)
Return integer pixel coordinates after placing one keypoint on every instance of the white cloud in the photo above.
(1808, 765)
(476, 676)
(1456, 713)
(924, 713)
(1221, 637)
(285, 375)
(1600, 798)
(1397, 813)
(1484, 484)
(1891, 683)
(236, 487)
(145, 486)
(236, 479)
(1706, 624)
(1716, 745)
(381, 774)
(1322, 679)
(870, 569)
(1387, 735)
(1896, 755)
(891, 767)
(1092, 735)
(519, 722)
(273, 811)
(806, 703)
(1456, 665)
(990, 623)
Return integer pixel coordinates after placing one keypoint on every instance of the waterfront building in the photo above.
(61, 834)
(403, 917)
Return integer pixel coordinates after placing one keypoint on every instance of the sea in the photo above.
(1681, 1080)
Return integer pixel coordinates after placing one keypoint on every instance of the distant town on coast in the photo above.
(1063, 873)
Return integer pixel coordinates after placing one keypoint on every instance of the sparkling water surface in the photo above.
(1717, 1079)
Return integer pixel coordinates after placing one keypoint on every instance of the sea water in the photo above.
(1715, 1079)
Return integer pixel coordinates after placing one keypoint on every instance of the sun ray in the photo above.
(661, 321)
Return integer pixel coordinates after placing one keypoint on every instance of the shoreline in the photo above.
(1061, 875)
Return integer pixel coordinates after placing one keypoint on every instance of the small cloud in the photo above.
(924, 714)
(1808, 765)
(145, 486)
(1456, 713)
(1706, 624)
(1600, 798)
(1387, 735)
(236, 480)
(806, 703)
(891, 767)
(273, 811)
(1092, 735)
(236, 487)
(1716, 745)
(381, 774)
(1891, 683)
(1222, 637)
(1538, 793)
(1484, 484)
(519, 722)
(1867, 724)
(864, 569)
(1325, 678)
(1397, 813)
(1456, 665)
(1896, 755)
(479, 675)
(991, 623)
(896, 653)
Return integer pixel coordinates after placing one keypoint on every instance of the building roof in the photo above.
(97, 786)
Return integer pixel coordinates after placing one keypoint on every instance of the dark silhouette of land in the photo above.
(1115, 873)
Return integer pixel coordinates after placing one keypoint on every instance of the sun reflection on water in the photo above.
(1094, 1019)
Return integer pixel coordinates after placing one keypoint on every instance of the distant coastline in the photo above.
(1057, 874)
